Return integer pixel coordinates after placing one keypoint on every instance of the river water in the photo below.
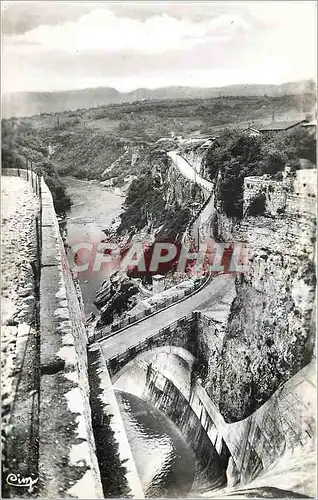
(93, 209)
(164, 461)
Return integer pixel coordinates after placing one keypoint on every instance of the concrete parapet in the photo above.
(106, 410)
(67, 457)
(153, 306)
(176, 334)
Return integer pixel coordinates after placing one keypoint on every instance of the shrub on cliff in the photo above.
(273, 159)
(234, 157)
(61, 200)
(237, 155)
(146, 207)
(144, 202)
(296, 143)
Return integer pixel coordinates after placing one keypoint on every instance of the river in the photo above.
(164, 461)
(93, 209)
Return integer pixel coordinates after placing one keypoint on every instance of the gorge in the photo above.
(217, 372)
(239, 389)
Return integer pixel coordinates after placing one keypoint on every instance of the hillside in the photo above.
(32, 103)
(108, 142)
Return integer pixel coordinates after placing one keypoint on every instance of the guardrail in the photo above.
(26, 173)
(115, 363)
(115, 328)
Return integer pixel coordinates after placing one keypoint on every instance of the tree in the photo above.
(231, 188)
(300, 144)
(236, 156)
(273, 159)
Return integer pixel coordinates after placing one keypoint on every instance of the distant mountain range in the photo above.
(32, 103)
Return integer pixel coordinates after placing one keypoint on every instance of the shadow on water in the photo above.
(165, 463)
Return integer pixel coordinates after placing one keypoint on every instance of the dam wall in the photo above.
(278, 434)
(51, 436)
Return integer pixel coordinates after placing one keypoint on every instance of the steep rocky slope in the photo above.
(270, 332)
(159, 206)
(160, 202)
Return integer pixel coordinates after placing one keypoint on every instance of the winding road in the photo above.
(208, 296)
(188, 171)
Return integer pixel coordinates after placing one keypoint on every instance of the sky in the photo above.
(50, 46)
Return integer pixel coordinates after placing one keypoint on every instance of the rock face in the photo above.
(270, 333)
(196, 157)
(180, 190)
(161, 201)
(114, 297)
(159, 206)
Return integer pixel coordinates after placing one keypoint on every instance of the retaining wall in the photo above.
(293, 195)
(67, 457)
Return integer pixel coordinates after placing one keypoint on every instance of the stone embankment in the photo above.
(67, 455)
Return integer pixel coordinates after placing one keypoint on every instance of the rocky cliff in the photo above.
(161, 201)
(159, 206)
(270, 333)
